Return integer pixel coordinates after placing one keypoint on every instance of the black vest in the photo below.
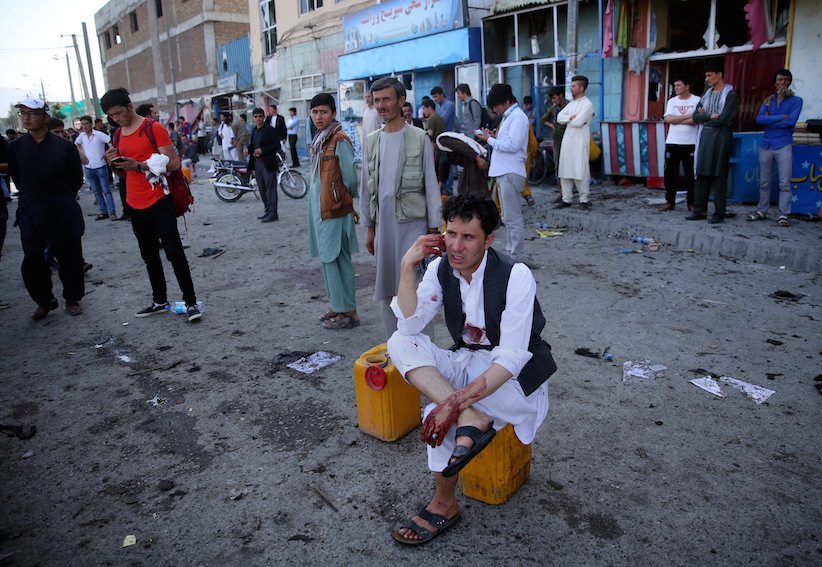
(495, 285)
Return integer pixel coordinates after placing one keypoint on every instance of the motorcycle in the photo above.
(232, 179)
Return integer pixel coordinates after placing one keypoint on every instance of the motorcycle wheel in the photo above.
(229, 195)
(293, 184)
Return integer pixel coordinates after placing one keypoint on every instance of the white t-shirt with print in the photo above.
(681, 134)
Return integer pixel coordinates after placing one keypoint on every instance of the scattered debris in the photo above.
(165, 485)
(156, 401)
(314, 362)
(582, 351)
(237, 493)
(712, 301)
(642, 369)
(555, 485)
(548, 233)
(641, 452)
(28, 454)
(772, 375)
(756, 393)
(710, 385)
(774, 342)
(300, 537)
(213, 252)
(786, 295)
(124, 358)
(323, 497)
(285, 358)
(19, 431)
(109, 342)
(129, 540)
(631, 251)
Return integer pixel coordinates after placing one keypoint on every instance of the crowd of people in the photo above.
(496, 373)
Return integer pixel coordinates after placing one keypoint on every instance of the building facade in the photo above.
(143, 43)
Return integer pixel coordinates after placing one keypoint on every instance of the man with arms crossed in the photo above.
(496, 372)
(680, 142)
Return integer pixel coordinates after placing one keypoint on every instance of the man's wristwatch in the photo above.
(140, 166)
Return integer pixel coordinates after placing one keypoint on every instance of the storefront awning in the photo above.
(507, 5)
(433, 51)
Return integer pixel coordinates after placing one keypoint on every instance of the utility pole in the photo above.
(71, 88)
(571, 51)
(156, 58)
(82, 73)
(95, 103)
(171, 67)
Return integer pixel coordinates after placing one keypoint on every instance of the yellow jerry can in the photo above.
(499, 470)
(387, 407)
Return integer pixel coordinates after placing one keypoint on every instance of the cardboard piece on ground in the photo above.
(709, 385)
(756, 393)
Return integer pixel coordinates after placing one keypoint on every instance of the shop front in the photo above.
(420, 43)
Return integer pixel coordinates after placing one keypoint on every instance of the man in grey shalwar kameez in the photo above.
(402, 198)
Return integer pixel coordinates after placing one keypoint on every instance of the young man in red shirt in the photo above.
(152, 210)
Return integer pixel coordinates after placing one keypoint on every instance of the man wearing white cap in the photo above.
(46, 170)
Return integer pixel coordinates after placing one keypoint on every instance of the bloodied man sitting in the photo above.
(495, 373)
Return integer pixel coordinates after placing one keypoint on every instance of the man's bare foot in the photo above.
(447, 510)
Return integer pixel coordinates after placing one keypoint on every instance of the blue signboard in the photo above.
(806, 180)
(400, 20)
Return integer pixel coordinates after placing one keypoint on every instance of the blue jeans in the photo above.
(98, 181)
(784, 161)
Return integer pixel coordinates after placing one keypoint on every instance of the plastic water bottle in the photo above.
(180, 307)
(644, 239)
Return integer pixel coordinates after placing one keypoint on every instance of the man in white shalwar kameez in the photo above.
(496, 372)
(574, 168)
(370, 122)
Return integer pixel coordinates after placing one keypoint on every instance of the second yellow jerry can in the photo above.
(387, 407)
(499, 470)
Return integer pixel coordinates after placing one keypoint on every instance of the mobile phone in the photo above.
(478, 132)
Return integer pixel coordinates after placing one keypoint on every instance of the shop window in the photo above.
(132, 18)
(307, 6)
(536, 34)
(268, 24)
(687, 26)
(499, 40)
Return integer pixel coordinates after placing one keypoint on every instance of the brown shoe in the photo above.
(666, 207)
(73, 308)
(42, 310)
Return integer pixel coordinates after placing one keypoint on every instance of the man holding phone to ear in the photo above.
(152, 211)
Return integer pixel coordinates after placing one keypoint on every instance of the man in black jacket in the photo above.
(262, 159)
(46, 169)
(277, 122)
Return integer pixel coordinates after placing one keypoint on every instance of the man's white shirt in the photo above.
(94, 147)
(510, 144)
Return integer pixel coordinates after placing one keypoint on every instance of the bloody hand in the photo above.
(439, 421)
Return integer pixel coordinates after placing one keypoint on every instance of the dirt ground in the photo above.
(238, 461)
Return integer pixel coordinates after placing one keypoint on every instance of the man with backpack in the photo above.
(142, 150)
(471, 111)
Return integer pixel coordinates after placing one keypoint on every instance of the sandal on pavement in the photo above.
(783, 221)
(441, 523)
(341, 322)
(462, 455)
(328, 315)
(757, 216)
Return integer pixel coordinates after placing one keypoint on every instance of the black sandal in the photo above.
(441, 523)
(463, 455)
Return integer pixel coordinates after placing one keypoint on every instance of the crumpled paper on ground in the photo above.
(317, 361)
(642, 369)
(757, 393)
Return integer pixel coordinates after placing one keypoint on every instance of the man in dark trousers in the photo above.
(262, 160)
(152, 212)
(495, 373)
(46, 170)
